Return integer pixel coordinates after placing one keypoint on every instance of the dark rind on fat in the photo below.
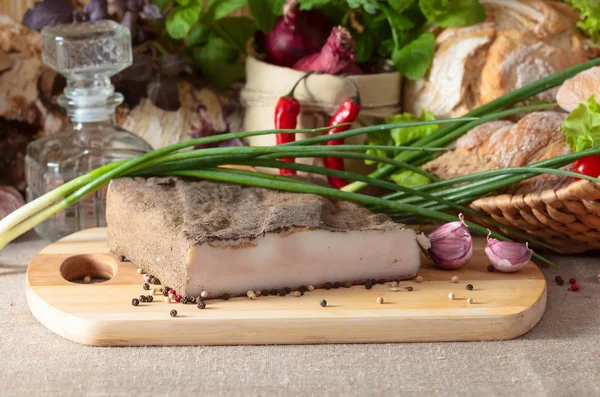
(154, 222)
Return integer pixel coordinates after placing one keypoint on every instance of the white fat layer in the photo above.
(302, 258)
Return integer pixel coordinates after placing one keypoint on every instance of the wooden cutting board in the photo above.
(101, 314)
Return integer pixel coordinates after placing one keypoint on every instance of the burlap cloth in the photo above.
(559, 357)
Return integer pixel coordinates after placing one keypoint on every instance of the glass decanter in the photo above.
(87, 55)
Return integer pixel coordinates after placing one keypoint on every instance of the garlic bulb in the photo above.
(10, 200)
(450, 245)
(507, 256)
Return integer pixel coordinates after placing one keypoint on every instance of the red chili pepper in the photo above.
(286, 118)
(346, 113)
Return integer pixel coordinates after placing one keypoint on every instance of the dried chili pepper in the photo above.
(346, 113)
(286, 118)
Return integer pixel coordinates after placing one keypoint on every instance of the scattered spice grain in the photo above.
(328, 286)
(575, 287)
(323, 303)
(455, 279)
(310, 288)
(142, 298)
(451, 296)
(379, 300)
(336, 285)
(559, 280)
(572, 280)
(167, 299)
(149, 298)
(265, 292)
(287, 290)
(204, 294)
(470, 301)
(394, 284)
(225, 296)
(135, 302)
(87, 280)
(177, 298)
(395, 289)
(139, 270)
(419, 279)
(173, 313)
(146, 287)
(201, 305)
(409, 288)
(470, 287)
(490, 268)
(347, 284)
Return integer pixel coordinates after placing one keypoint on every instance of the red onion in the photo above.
(296, 34)
(10, 200)
(450, 246)
(336, 56)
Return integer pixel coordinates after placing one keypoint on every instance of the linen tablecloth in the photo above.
(559, 357)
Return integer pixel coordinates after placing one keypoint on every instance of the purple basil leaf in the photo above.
(48, 13)
(150, 11)
(140, 69)
(173, 64)
(120, 6)
(129, 20)
(80, 17)
(163, 91)
(96, 9)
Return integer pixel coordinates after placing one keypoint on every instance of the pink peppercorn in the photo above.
(177, 298)
(574, 287)
(572, 280)
(172, 291)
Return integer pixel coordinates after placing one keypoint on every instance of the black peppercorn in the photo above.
(151, 280)
(173, 313)
(373, 281)
(149, 298)
(287, 290)
(274, 292)
(323, 303)
(328, 285)
(166, 291)
(264, 292)
(490, 268)
(559, 280)
(225, 296)
(336, 285)
(470, 287)
(282, 292)
(135, 302)
(184, 300)
(142, 298)
(123, 259)
(156, 281)
(380, 281)
(347, 284)
(302, 289)
(368, 285)
(146, 287)
(201, 305)
(409, 288)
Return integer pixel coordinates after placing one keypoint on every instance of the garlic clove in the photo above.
(507, 256)
(10, 200)
(450, 245)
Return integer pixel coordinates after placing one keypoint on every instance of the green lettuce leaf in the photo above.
(409, 178)
(403, 136)
(582, 126)
(449, 13)
(589, 11)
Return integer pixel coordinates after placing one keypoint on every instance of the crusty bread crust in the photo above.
(520, 42)
(579, 88)
(504, 144)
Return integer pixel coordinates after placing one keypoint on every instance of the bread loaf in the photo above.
(579, 89)
(520, 42)
(504, 144)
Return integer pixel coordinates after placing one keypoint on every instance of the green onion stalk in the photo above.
(448, 134)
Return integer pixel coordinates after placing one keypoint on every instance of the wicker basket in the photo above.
(568, 219)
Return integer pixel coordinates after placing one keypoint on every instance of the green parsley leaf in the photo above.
(219, 62)
(181, 19)
(235, 31)
(310, 4)
(263, 13)
(448, 13)
(401, 5)
(413, 59)
(217, 9)
(582, 126)
(197, 35)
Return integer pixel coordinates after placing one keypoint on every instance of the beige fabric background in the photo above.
(559, 357)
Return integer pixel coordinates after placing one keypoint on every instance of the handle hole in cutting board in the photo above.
(99, 268)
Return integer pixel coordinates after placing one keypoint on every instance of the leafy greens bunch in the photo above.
(400, 30)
